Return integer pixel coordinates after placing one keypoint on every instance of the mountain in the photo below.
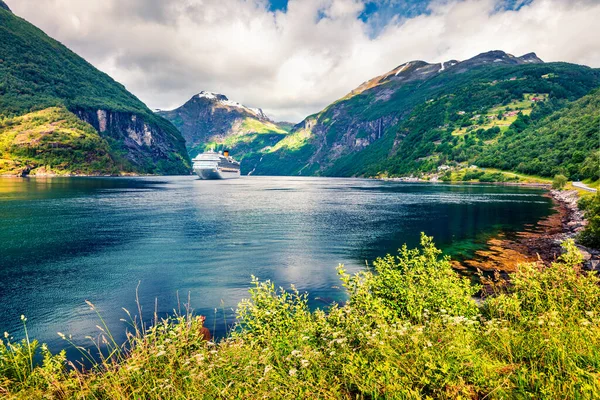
(40, 79)
(211, 120)
(419, 116)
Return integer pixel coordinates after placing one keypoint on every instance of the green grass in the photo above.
(54, 141)
(409, 330)
(252, 125)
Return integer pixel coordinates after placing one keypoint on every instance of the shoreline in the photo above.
(125, 175)
(540, 242)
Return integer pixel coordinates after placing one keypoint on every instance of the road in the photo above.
(583, 186)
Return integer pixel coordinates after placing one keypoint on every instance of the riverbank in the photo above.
(539, 242)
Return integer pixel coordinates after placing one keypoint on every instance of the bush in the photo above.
(591, 234)
(559, 182)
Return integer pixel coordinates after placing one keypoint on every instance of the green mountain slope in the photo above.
(53, 141)
(420, 116)
(37, 72)
(565, 142)
(210, 120)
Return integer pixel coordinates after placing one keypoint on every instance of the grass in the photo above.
(524, 178)
(54, 141)
(252, 125)
(525, 106)
(409, 330)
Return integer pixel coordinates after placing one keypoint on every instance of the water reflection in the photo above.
(67, 240)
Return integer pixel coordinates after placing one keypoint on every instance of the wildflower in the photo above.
(293, 372)
(304, 363)
(296, 353)
(6, 335)
(160, 353)
(268, 369)
(62, 335)
(23, 318)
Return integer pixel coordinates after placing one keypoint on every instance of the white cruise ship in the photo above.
(213, 165)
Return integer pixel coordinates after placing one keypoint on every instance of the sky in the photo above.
(294, 57)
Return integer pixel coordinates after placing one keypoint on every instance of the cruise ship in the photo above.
(213, 165)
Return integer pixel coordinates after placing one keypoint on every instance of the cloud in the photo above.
(292, 61)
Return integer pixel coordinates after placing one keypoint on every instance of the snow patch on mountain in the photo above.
(223, 100)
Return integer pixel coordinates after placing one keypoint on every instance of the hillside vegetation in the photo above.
(54, 141)
(566, 141)
(37, 73)
(421, 116)
(410, 329)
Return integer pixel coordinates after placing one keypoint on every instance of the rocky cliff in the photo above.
(148, 146)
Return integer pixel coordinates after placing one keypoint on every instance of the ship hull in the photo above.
(216, 174)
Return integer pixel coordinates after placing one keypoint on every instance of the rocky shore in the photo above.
(573, 224)
(539, 242)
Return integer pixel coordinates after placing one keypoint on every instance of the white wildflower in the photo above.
(293, 372)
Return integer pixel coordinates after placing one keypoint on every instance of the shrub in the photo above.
(591, 234)
(559, 182)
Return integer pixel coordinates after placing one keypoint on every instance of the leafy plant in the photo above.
(559, 182)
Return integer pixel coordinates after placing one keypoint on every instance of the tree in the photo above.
(559, 182)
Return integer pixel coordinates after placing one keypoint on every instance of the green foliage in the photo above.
(559, 182)
(564, 142)
(413, 284)
(410, 329)
(591, 207)
(55, 141)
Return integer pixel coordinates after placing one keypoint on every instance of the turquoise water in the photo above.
(67, 240)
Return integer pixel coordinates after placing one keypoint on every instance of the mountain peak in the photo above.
(531, 58)
(4, 6)
(221, 100)
(497, 57)
(212, 96)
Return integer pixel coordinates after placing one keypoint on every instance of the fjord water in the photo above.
(67, 240)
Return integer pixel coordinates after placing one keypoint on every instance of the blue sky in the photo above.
(377, 14)
(402, 8)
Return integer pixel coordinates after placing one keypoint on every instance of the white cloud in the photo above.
(293, 64)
